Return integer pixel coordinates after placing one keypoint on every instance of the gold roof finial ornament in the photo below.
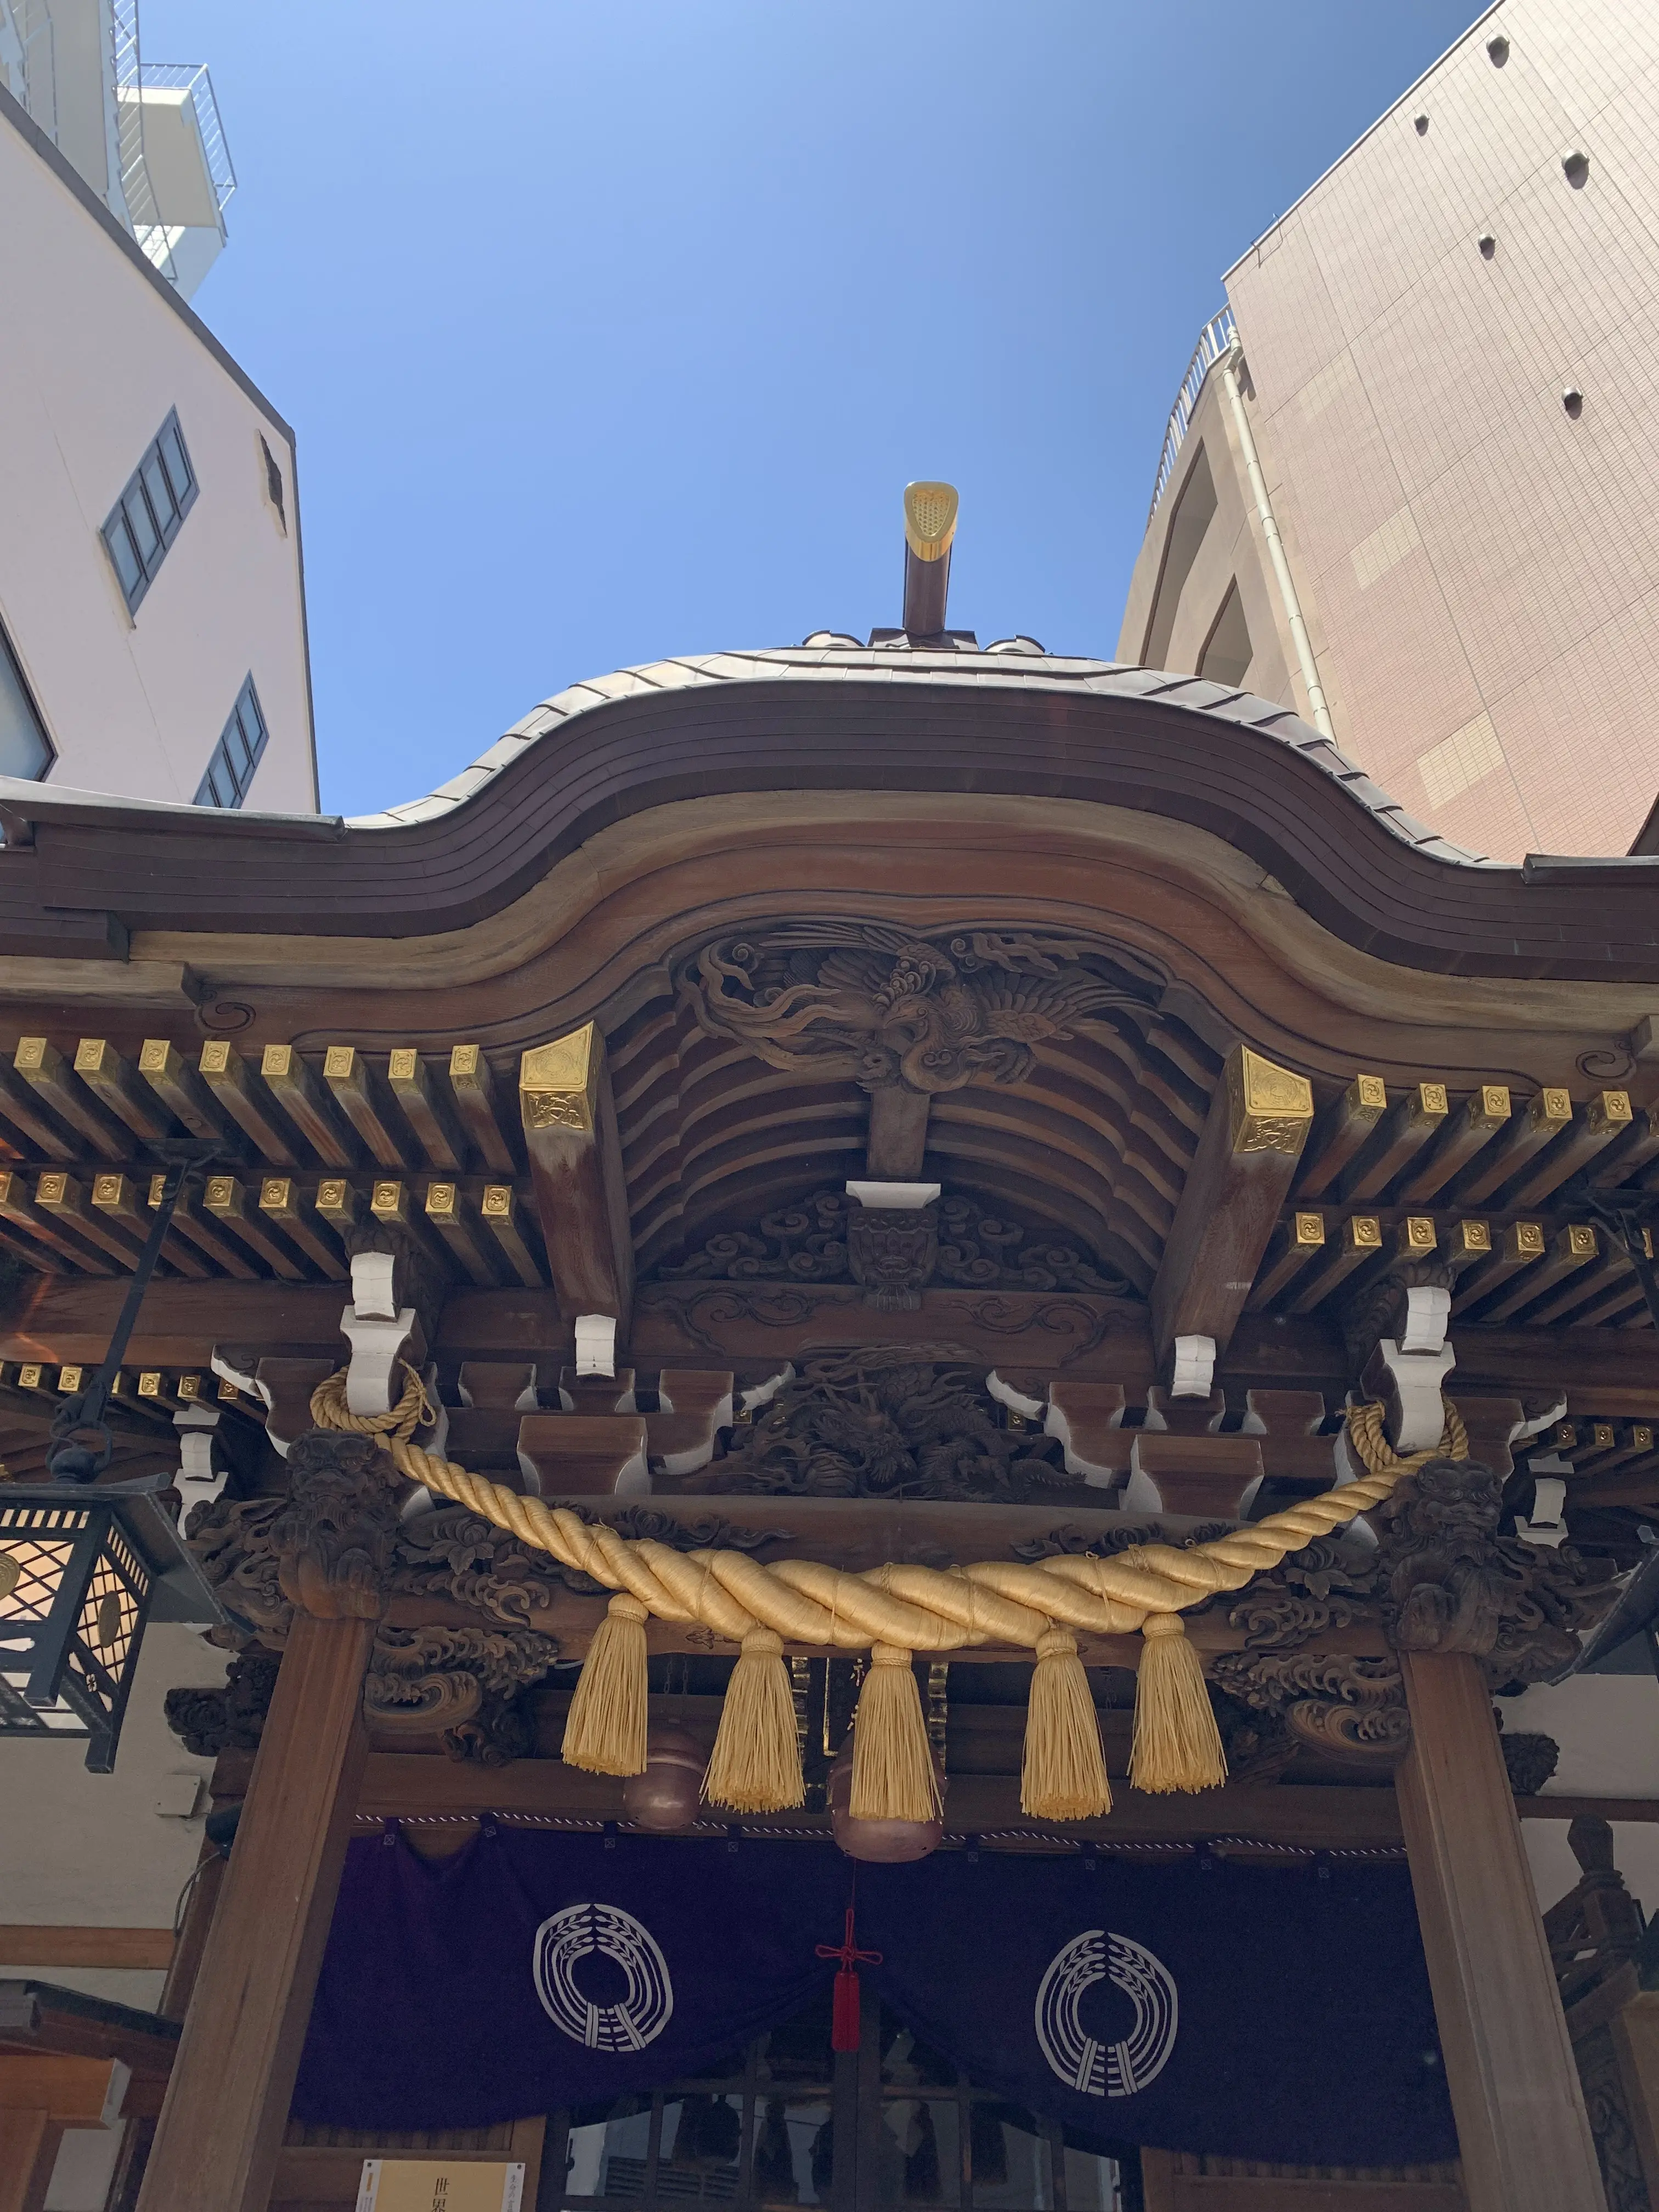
(930, 520)
(930, 527)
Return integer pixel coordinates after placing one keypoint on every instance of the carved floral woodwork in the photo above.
(869, 1002)
(829, 1238)
(1346, 1707)
(449, 1553)
(232, 1718)
(877, 1424)
(463, 1683)
(1530, 1758)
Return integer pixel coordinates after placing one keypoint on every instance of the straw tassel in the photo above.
(604, 1732)
(755, 1767)
(1064, 1776)
(893, 1777)
(1177, 1745)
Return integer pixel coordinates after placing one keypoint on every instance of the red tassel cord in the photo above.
(844, 2017)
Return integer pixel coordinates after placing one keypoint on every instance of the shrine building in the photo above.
(914, 1385)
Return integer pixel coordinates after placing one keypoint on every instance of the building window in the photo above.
(236, 756)
(273, 485)
(25, 748)
(146, 519)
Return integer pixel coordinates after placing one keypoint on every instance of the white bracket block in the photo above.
(1016, 1400)
(902, 1197)
(763, 1392)
(199, 1480)
(596, 1344)
(370, 1285)
(1546, 1526)
(372, 1383)
(1194, 1367)
(1417, 1377)
(1536, 1427)
(1428, 1311)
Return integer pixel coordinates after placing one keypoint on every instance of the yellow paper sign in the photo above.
(437, 2185)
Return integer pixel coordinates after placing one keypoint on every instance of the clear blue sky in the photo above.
(613, 329)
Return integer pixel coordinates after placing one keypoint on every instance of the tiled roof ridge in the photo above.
(971, 670)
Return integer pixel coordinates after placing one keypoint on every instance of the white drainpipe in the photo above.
(1264, 507)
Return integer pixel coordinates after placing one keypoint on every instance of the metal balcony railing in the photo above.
(192, 76)
(1214, 340)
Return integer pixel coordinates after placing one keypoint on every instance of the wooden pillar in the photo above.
(1522, 2128)
(227, 2103)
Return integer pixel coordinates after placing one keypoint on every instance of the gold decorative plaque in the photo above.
(558, 1082)
(440, 2185)
(1271, 1109)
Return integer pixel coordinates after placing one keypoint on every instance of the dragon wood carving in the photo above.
(872, 1003)
(879, 1423)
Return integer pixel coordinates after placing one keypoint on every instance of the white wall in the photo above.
(80, 1850)
(1608, 1727)
(97, 350)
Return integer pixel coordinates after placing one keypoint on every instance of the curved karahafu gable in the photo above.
(825, 721)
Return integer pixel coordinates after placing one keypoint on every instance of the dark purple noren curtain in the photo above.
(1273, 2014)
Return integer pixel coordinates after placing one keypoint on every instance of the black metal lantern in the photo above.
(83, 1565)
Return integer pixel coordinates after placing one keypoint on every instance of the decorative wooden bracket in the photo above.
(694, 1405)
(1088, 1419)
(577, 1170)
(584, 1455)
(1240, 1178)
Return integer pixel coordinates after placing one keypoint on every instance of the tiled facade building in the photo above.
(1437, 388)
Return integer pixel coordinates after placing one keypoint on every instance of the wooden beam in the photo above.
(472, 1086)
(24, 1944)
(425, 1110)
(40, 2096)
(1406, 1127)
(1310, 1815)
(364, 1098)
(1240, 1175)
(1549, 1114)
(576, 1172)
(1485, 1112)
(1341, 1128)
(43, 1068)
(114, 1081)
(179, 1088)
(227, 2106)
(245, 1096)
(294, 1085)
(1298, 1244)
(897, 1141)
(1522, 2128)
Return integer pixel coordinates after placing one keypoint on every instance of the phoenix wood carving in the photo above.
(865, 1000)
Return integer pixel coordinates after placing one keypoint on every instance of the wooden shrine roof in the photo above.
(81, 874)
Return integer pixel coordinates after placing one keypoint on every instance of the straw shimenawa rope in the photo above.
(892, 1611)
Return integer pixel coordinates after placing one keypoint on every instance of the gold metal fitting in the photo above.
(930, 520)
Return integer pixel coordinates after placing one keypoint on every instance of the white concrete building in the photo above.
(152, 609)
